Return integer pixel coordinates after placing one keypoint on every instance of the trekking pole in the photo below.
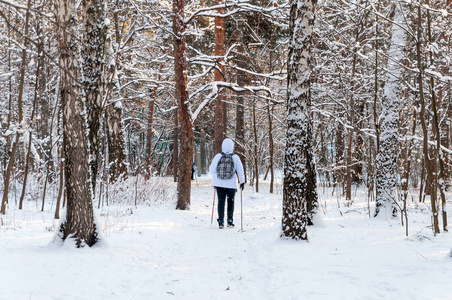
(213, 206)
(241, 208)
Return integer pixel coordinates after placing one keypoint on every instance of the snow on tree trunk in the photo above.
(93, 58)
(240, 110)
(389, 121)
(186, 126)
(79, 223)
(299, 193)
(117, 168)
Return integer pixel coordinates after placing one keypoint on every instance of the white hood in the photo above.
(227, 146)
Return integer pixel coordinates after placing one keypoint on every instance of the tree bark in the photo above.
(270, 140)
(79, 223)
(117, 168)
(255, 152)
(240, 111)
(93, 53)
(220, 105)
(427, 160)
(149, 135)
(61, 186)
(440, 177)
(339, 153)
(386, 178)
(300, 200)
(186, 126)
(175, 145)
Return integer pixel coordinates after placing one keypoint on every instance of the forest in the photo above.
(102, 95)
(339, 110)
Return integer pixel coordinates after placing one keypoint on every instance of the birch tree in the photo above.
(79, 223)
(299, 192)
(93, 58)
(387, 154)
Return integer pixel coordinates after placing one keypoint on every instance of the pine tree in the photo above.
(186, 126)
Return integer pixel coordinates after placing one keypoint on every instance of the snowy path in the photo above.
(161, 253)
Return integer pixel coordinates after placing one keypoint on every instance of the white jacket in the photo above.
(227, 147)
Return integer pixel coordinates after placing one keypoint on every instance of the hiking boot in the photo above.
(220, 224)
(230, 224)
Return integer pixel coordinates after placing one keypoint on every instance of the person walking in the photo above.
(224, 168)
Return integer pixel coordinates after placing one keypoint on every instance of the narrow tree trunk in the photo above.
(300, 192)
(93, 53)
(49, 160)
(175, 145)
(203, 150)
(270, 132)
(45, 105)
(148, 161)
(186, 126)
(117, 168)
(255, 152)
(351, 121)
(270, 139)
(240, 111)
(427, 161)
(10, 100)
(407, 165)
(30, 134)
(348, 173)
(61, 187)
(339, 153)
(441, 182)
(220, 111)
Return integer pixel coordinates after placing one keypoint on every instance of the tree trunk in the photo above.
(186, 126)
(79, 223)
(300, 200)
(61, 186)
(240, 111)
(175, 145)
(270, 139)
(117, 168)
(407, 165)
(439, 176)
(339, 145)
(220, 105)
(427, 161)
(30, 134)
(386, 178)
(255, 152)
(93, 53)
(203, 150)
(10, 100)
(148, 161)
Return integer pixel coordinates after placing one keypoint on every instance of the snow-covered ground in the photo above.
(156, 252)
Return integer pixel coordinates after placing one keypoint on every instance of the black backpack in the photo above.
(225, 167)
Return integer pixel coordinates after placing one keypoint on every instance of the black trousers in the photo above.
(224, 193)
